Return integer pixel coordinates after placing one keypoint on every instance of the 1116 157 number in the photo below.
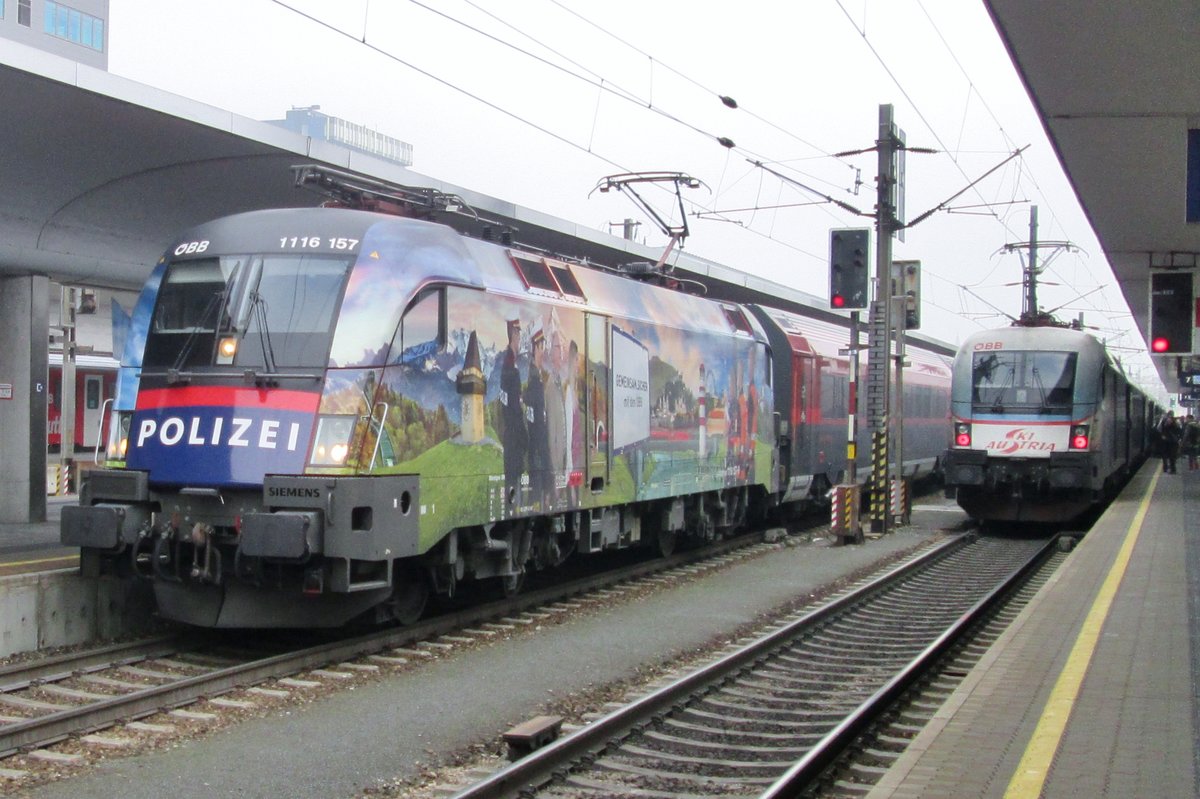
(316, 243)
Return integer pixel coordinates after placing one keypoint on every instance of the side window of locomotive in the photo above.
(737, 320)
(422, 330)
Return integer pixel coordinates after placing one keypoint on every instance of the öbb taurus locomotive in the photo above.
(1045, 425)
(335, 412)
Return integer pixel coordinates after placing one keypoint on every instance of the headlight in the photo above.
(332, 444)
(227, 347)
(118, 435)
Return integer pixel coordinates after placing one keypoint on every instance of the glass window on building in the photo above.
(24, 13)
(68, 23)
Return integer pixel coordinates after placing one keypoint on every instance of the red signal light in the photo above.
(963, 439)
(1079, 437)
(837, 301)
(1160, 344)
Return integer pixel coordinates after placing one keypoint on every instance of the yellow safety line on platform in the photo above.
(35, 562)
(1030, 777)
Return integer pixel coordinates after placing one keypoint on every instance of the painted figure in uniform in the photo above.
(541, 477)
(514, 437)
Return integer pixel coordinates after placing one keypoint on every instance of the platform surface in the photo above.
(1092, 692)
(28, 547)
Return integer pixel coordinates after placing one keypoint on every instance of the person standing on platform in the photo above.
(1170, 432)
(1191, 442)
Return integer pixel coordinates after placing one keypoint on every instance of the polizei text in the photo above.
(196, 432)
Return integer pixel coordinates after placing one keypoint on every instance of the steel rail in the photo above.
(21, 674)
(543, 765)
(823, 754)
(54, 727)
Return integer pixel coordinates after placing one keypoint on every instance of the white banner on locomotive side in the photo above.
(630, 390)
(1020, 441)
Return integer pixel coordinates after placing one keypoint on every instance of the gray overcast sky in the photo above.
(533, 101)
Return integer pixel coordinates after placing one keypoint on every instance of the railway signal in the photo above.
(906, 284)
(849, 277)
(1171, 300)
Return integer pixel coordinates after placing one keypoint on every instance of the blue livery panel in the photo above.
(219, 436)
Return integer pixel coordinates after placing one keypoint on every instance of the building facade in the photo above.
(312, 122)
(77, 30)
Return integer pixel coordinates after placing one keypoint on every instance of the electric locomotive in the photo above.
(1045, 424)
(325, 414)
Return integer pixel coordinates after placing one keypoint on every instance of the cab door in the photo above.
(91, 410)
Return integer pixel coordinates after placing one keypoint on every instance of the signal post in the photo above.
(889, 143)
(849, 289)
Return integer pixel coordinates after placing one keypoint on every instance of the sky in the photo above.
(536, 101)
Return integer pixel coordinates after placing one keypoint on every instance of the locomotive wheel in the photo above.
(510, 584)
(667, 539)
(409, 599)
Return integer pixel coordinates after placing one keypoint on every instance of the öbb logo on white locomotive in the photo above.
(264, 434)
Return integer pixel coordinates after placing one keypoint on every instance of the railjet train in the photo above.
(1045, 425)
(332, 413)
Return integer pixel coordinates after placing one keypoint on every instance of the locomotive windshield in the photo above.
(1037, 382)
(252, 311)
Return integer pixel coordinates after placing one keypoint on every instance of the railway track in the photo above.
(866, 760)
(48, 700)
(772, 715)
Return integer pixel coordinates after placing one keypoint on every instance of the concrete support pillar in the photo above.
(24, 310)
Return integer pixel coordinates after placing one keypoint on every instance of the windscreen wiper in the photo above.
(259, 306)
(997, 405)
(219, 299)
(173, 374)
(1037, 381)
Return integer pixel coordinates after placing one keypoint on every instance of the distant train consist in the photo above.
(95, 386)
(1045, 425)
(327, 414)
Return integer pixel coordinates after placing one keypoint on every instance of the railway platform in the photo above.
(45, 602)
(1093, 690)
(34, 546)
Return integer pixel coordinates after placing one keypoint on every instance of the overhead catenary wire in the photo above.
(1023, 169)
(762, 225)
(448, 84)
(361, 40)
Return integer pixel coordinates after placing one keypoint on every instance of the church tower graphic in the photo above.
(472, 386)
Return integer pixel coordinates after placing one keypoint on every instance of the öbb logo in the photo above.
(1019, 440)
